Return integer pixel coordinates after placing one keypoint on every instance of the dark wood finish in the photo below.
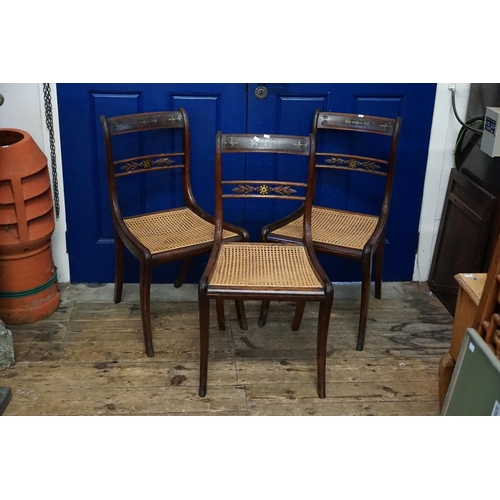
(167, 159)
(251, 144)
(331, 123)
(464, 243)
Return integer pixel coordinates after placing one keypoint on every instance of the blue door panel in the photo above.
(287, 109)
(90, 232)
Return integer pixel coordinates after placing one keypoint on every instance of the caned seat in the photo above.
(264, 267)
(156, 144)
(354, 145)
(172, 229)
(335, 227)
(258, 270)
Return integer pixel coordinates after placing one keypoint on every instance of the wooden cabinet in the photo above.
(467, 233)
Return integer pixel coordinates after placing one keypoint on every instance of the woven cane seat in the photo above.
(334, 227)
(264, 266)
(171, 229)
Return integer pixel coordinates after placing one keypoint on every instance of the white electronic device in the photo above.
(490, 140)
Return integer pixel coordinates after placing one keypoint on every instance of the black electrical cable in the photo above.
(459, 152)
(456, 114)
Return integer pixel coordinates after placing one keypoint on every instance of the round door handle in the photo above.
(2, 99)
(261, 92)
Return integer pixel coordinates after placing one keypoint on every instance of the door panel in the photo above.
(210, 107)
(287, 109)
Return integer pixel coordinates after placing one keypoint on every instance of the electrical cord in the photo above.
(458, 152)
(453, 91)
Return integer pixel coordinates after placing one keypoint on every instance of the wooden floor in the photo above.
(88, 357)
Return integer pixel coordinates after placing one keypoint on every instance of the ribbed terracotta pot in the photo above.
(29, 290)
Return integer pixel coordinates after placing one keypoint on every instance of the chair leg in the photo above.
(119, 268)
(379, 262)
(145, 291)
(221, 319)
(204, 312)
(264, 310)
(325, 310)
(297, 317)
(365, 300)
(181, 276)
(240, 312)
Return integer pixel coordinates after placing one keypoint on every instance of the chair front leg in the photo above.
(204, 313)
(325, 310)
(145, 293)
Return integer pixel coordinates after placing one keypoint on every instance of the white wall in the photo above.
(24, 109)
(444, 131)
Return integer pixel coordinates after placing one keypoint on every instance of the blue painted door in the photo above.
(287, 109)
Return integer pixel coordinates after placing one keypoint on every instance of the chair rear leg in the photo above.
(297, 317)
(365, 301)
(119, 268)
(204, 313)
(183, 270)
(325, 309)
(264, 310)
(221, 319)
(145, 293)
(379, 262)
(240, 312)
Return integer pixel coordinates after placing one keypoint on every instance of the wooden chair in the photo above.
(156, 141)
(257, 270)
(353, 143)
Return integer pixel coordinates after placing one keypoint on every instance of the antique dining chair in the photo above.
(348, 145)
(157, 144)
(259, 270)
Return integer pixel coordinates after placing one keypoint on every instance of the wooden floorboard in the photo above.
(88, 359)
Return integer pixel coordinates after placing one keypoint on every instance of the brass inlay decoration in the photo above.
(352, 163)
(364, 123)
(386, 126)
(147, 164)
(230, 143)
(264, 190)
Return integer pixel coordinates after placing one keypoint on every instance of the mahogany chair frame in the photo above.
(287, 284)
(371, 237)
(196, 239)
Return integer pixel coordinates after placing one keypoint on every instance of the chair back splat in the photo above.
(262, 270)
(349, 145)
(166, 225)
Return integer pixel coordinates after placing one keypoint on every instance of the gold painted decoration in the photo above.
(263, 189)
(353, 163)
(147, 164)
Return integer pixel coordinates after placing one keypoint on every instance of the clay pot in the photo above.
(29, 290)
